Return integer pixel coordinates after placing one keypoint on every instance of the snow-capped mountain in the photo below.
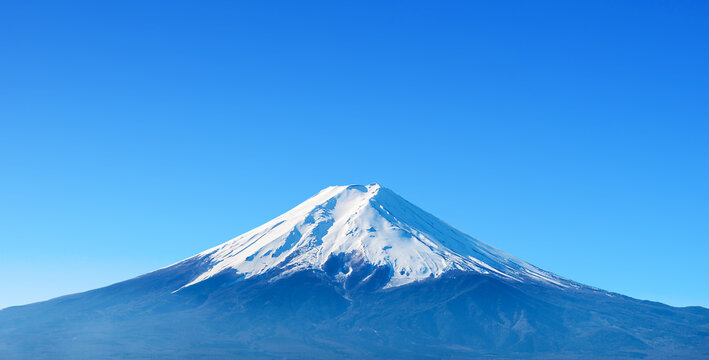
(371, 224)
(355, 272)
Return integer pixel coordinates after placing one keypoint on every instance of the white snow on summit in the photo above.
(371, 223)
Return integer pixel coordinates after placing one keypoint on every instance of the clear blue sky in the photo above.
(574, 135)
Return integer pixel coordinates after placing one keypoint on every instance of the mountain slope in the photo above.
(354, 272)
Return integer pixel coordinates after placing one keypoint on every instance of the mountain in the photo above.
(355, 272)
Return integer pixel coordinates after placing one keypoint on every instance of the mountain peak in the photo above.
(365, 223)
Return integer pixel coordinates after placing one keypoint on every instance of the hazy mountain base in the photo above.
(310, 315)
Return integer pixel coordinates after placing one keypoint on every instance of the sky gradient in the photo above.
(137, 134)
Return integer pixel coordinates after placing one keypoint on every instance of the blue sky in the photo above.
(572, 135)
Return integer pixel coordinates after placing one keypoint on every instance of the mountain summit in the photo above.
(365, 224)
(355, 272)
